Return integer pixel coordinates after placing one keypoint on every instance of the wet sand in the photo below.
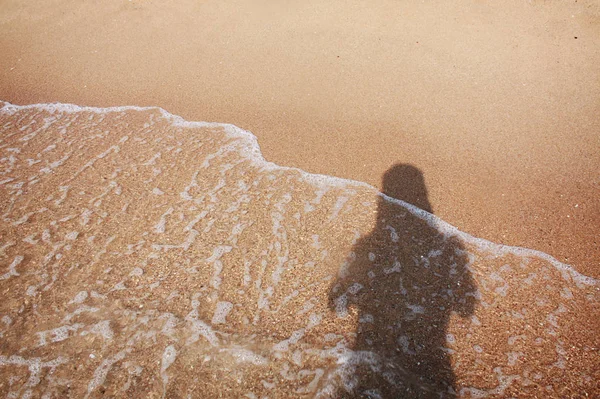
(145, 256)
(497, 104)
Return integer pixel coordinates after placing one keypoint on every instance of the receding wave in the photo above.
(142, 255)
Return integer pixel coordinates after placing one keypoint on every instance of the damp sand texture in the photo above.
(145, 256)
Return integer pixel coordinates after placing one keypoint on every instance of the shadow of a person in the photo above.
(404, 280)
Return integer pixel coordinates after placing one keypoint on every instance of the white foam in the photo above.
(244, 355)
(251, 150)
(72, 235)
(221, 311)
(103, 329)
(58, 334)
(12, 268)
(274, 263)
(160, 226)
(284, 346)
(136, 272)
(80, 297)
(102, 371)
(169, 356)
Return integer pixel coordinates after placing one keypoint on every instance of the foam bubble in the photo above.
(221, 311)
(169, 356)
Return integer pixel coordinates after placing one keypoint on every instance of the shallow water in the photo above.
(146, 256)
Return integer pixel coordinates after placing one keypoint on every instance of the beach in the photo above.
(496, 104)
(262, 258)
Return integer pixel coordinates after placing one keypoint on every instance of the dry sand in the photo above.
(496, 103)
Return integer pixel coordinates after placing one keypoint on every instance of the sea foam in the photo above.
(140, 239)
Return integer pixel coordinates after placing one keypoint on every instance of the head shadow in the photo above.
(403, 280)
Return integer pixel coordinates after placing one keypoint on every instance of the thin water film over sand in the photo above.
(145, 256)
(406, 280)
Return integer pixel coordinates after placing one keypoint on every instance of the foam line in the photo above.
(252, 151)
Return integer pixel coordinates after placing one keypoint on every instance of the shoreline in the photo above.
(502, 122)
(431, 219)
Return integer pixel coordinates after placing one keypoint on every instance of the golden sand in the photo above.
(146, 257)
(497, 104)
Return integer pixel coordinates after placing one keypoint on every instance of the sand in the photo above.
(143, 256)
(497, 104)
